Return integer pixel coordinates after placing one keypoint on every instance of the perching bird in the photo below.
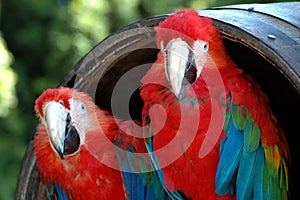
(211, 133)
(78, 150)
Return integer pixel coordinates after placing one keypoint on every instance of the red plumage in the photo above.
(195, 176)
(85, 174)
(82, 175)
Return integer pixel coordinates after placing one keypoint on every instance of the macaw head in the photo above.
(65, 114)
(187, 42)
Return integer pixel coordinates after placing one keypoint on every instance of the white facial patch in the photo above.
(180, 59)
(200, 49)
(79, 118)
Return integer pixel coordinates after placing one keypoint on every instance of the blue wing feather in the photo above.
(61, 193)
(243, 167)
(258, 190)
(141, 181)
(171, 195)
(229, 159)
(245, 176)
(54, 191)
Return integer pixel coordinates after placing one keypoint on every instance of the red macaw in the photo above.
(78, 150)
(211, 133)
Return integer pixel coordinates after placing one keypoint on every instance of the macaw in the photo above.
(83, 152)
(210, 131)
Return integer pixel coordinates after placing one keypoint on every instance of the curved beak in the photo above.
(55, 118)
(176, 58)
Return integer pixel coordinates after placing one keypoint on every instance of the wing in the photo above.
(140, 179)
(159, 176)
(176, 195)
(254, 155)
(54, 191)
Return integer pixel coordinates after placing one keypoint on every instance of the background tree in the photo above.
(40, 42)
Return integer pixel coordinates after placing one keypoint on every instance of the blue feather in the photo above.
(141, 181)
(56, 190)
(49, 192)
(149, 145)
(243, 167)
(258, 179)
(229, 159)
(245, 174)
(248, 160)
(133, 185)
(62, 195)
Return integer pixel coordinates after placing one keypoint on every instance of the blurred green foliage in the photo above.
(40, 42)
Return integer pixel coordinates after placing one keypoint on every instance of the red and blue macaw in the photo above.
(83, 152)
(211, 133)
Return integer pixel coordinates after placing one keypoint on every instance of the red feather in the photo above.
(63, 95)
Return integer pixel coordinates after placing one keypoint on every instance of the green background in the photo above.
(40, 41)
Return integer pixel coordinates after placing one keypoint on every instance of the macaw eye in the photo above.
(61, 102)
(82, 107)
(190, 73)
(205, 46)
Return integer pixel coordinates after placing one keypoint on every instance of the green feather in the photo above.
(283, 175)
(157, 188)
(251, 137)
(266, 184)
(239, 115)
(286, 175)
(275, 192)
(227, 119)
(269, 160)
(147, 177)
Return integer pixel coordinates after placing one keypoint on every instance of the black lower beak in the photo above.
(72, 141)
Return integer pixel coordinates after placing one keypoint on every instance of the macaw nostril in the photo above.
(72, 140)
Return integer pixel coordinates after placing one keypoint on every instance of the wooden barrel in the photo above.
(263, 39)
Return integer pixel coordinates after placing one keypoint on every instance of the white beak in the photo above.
(55, 121)
(177, 55)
